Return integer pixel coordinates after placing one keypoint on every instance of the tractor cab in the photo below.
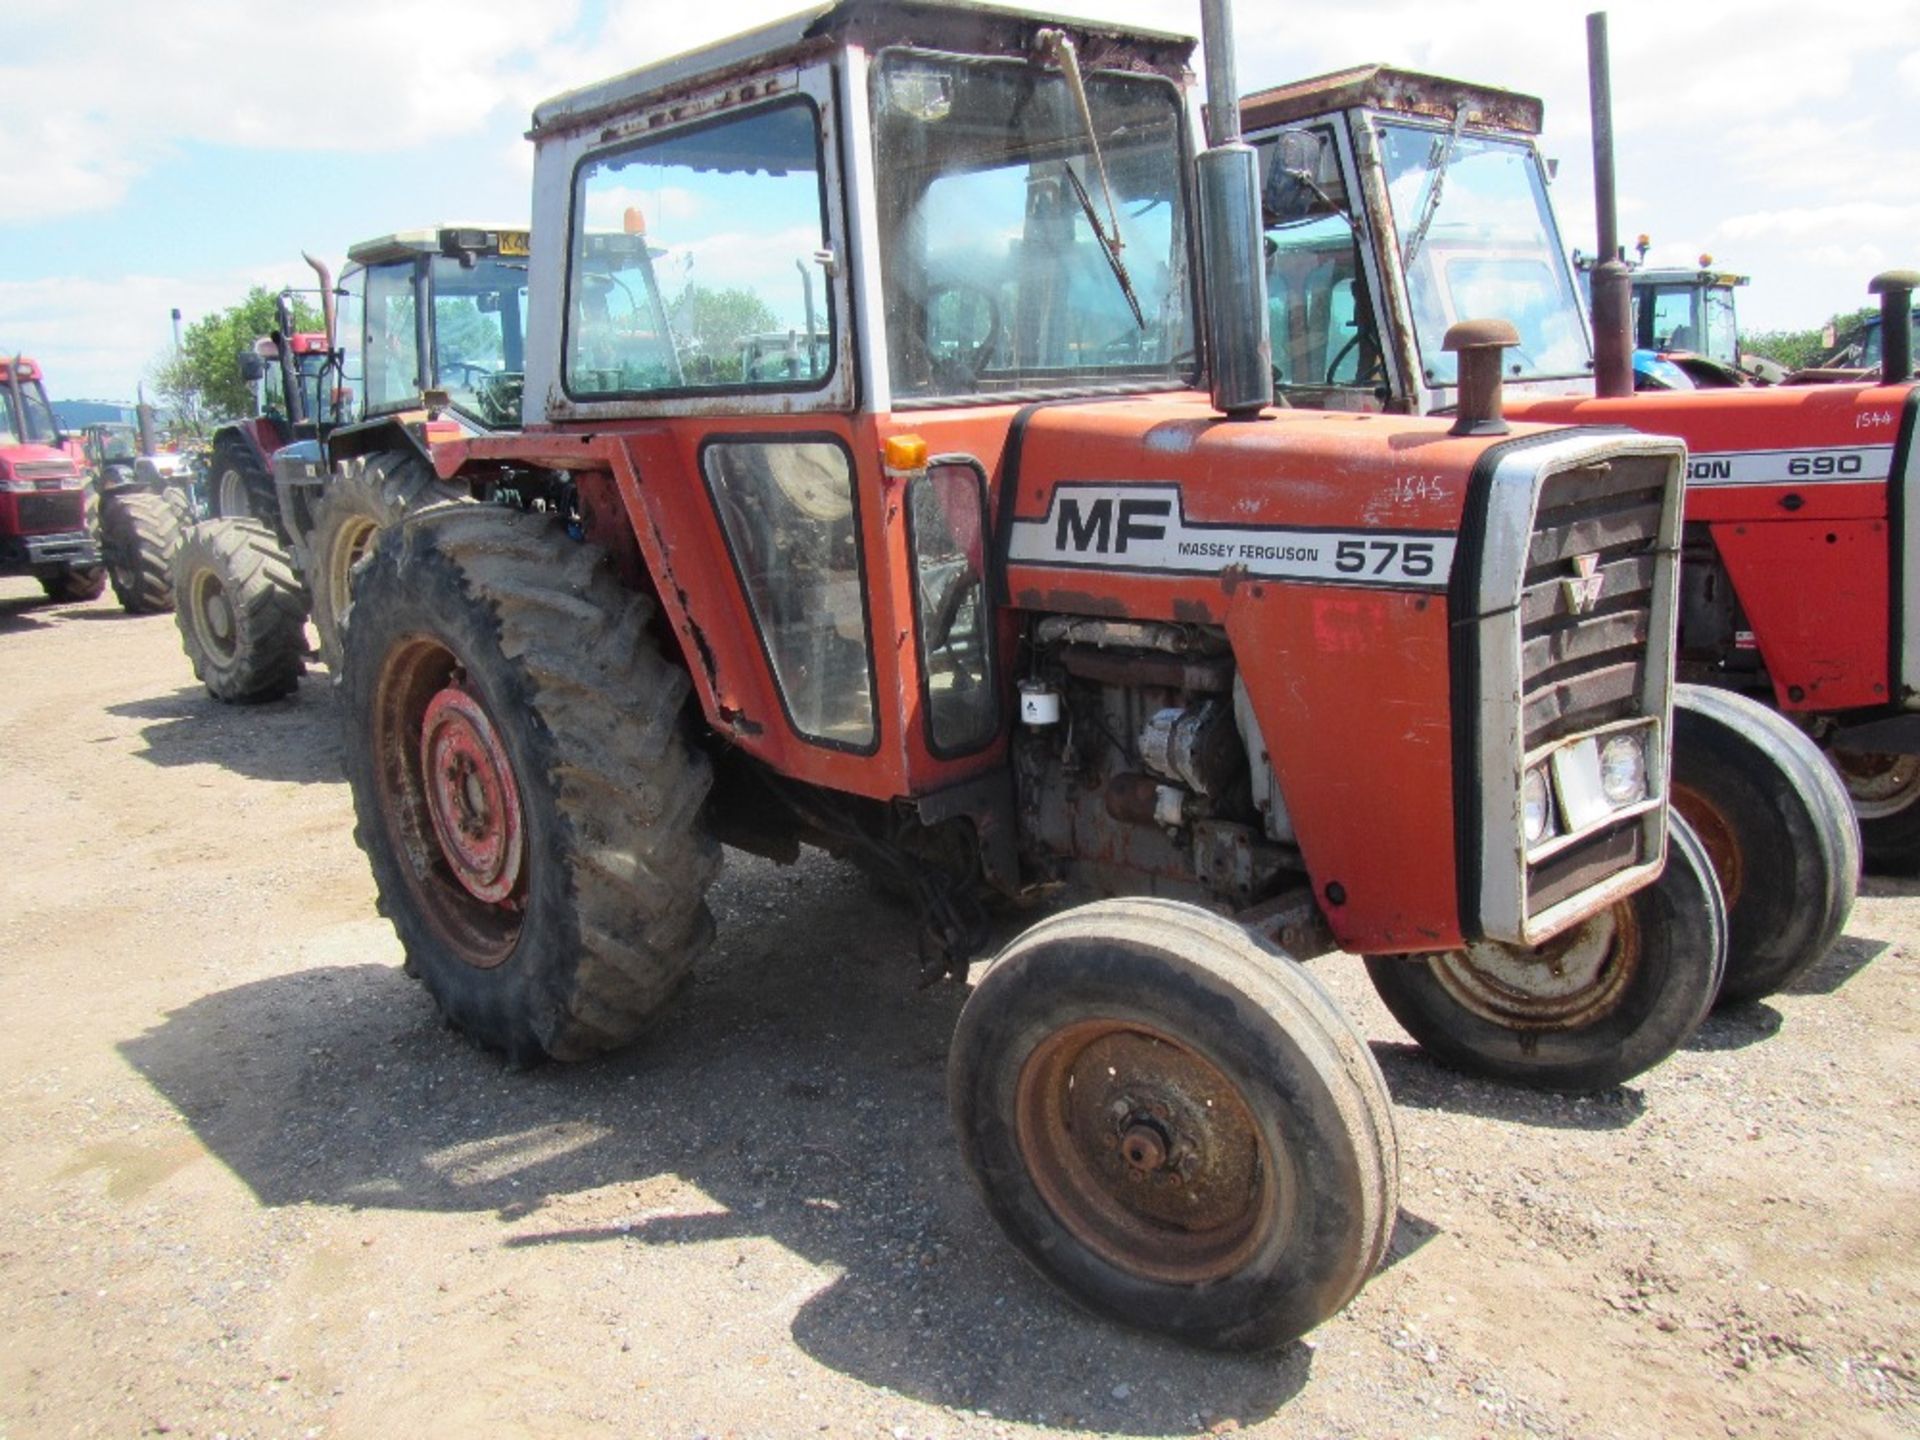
(45, 528)
(26, 418)
(1395, 205)
(1688, 311)
(438, 310)
(309, 362)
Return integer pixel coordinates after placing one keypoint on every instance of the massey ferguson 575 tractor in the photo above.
(47, 524)
(424, 336)
(1396, 205)
(1001, 599)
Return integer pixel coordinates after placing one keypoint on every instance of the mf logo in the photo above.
(1584, 585)
(1094, 527)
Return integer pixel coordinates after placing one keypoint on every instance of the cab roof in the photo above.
(1687, 275)
(1403, 92)
(29, 367)
(434, 239)
(948, 25)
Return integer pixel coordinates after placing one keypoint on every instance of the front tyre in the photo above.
(1885, 791)
(1592, 1008)
(1172, 1121)
(526, 791)
(74, 583)
(1778, 828)
(140, 534)
(242, 611)
(241, 487)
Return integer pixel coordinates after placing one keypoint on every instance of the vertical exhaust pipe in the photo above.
(1231, 256)
(1611, 286)
(326, 297)
(1895, 289)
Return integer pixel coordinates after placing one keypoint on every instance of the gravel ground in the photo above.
(253, 1188)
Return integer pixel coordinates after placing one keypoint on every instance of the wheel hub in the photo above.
(471, 795)
(1880, 785)
(1569, 983)
(1145, 1151)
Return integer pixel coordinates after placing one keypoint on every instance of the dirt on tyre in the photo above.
(1778, 827)
(1596, 1006)
(240, 487)
(364, 496)
(1173, 1122)
(241, 609)
(1885, 792)
(140, 533)
(524, 781)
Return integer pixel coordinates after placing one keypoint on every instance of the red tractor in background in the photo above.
(48, 528)
(1397, 204)
(1025, 589)
(424, 336)
(240, 483)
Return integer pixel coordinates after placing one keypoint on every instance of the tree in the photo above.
(719, 323)
(201, 383)
(1797, 349)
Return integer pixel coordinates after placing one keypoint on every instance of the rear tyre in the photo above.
(1777, 826)
(1173, 1122)
(140, 533)
(241, 487)
(74, 583)
(526, 791)
(1590, 1009)
(242, 611)
(1885, 791)
(363, 497)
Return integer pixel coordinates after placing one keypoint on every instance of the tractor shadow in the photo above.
(25, 614)
(799, 1086)
(1419, 1082)
(1849, 956)
(296, 739)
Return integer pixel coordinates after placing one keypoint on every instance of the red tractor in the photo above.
(426, 339)
(287, 408)
(47, 524)
(1397, 204)
(1026, 590)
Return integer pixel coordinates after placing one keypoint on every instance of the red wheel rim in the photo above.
(471, 795)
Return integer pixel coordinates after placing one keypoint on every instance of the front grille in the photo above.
(42, 469)
(49, 513)
(1584, 666)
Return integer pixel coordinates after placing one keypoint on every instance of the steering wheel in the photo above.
(470, 371)
(1370, 367)
(966, 367)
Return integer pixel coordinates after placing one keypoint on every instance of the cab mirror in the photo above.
(252, 366)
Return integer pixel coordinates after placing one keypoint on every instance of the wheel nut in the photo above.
(1144, 1148)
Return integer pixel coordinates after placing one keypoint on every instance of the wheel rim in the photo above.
(233, 494)
(448, 793)
(213, 618)
(1569, 983)
(1717, 834)
(1146, 1152)
(1879, 785)
(350, 547)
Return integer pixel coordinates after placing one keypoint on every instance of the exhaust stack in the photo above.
(1481, 344)
(326, 297)
(1612, 289)
(1895, 289)
(1231, 256)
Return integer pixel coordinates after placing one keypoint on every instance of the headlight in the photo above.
(1623, 769)
(1536, 806)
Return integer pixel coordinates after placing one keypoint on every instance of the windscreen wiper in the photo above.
(1058, 45)
(1441, 157)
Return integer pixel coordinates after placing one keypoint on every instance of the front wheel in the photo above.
(526, 790)
(242, 487)
(73, 583)
(1776, 825)
(140, 533)
(1592, 1008)
(1885, 791)
(1172, 1121)
(242, 611)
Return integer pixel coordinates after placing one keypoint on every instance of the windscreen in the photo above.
(31, 422)
(1477, 241)
(992, 208)
(479, 335)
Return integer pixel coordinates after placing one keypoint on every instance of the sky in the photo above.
(153, 157)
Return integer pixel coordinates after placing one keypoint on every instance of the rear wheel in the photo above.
(1778, 828)
(363, 497)
(241, 609)
(527, 794)
(1173, 1122)
(1592, 1008)
(140, 533)
(1885, 791)
(241, 487)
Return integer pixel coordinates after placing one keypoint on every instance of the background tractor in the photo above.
(146, 502)
(424, 335)
(1396, 204)
(1029, 592)
(47, 524)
